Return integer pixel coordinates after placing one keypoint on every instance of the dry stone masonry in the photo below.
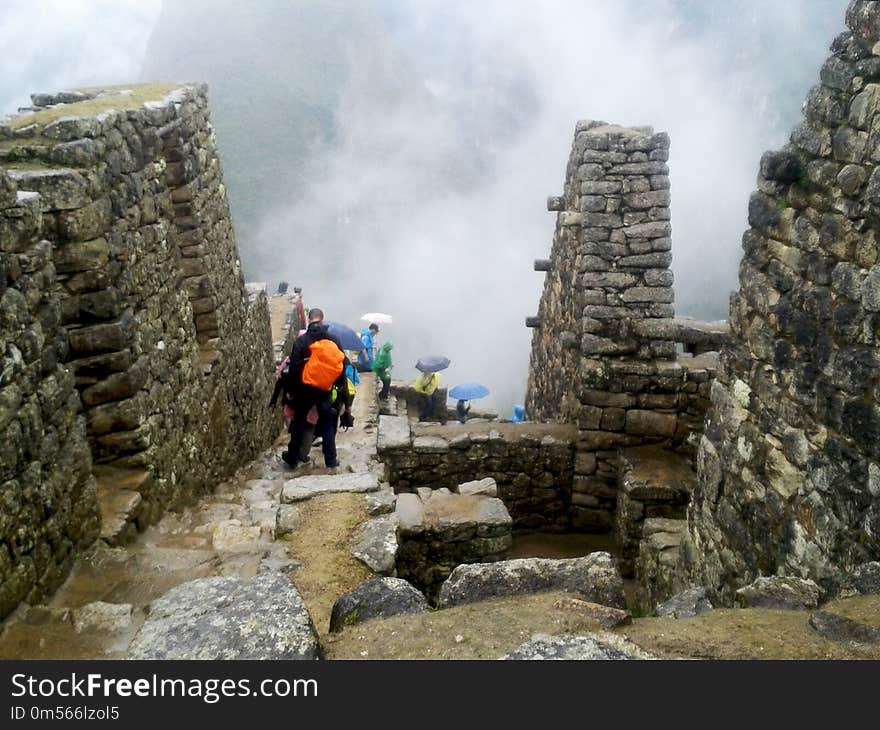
(125, 319)
(604, 348)
(532, 464)
(48, 500)
(443, 530)
(789, 465)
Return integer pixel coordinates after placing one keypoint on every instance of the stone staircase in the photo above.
(121, 501)
(233, 532)
(654, 488)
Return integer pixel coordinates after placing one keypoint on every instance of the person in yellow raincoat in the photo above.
(425, 386)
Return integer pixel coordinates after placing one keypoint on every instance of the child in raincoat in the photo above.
(382, 367)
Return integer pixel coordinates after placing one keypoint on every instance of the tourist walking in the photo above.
(382, 367)
(317, 364)
(368, 354)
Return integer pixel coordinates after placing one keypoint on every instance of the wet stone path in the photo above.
(233, 532)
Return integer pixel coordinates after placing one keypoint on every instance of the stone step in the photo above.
(120, 499)
(655, 564)
(653, 483)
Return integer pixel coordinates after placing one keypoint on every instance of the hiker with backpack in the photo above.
(282, 378)
(317, 364)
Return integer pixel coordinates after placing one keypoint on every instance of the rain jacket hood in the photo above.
(383, 357)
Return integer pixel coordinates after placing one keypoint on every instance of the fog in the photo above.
(49, 45)
(396, 156)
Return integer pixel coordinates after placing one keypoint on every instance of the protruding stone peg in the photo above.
(542, 265)
(555, 203)
(533, 321)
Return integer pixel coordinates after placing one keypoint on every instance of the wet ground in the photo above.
(103, 603)
(105, 600)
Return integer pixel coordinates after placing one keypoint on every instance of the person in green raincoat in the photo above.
(382, 367)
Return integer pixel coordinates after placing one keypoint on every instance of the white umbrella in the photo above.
(377, 317)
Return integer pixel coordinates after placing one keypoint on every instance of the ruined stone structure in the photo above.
(788, 462)
(789, 466)
(604, 349)
(121, 298)
(533, 465)
(445, 530)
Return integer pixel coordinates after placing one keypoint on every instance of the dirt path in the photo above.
(322, 545)
(231, 532)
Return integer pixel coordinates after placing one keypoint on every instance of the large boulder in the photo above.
(228, 618)
(594, 577)
(779, 592)
(606, 647)
(843, 630)
(379, 597)
(686, 604)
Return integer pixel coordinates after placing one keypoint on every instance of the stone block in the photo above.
(608, 279)
(58, 189)
(376, 544)
(659, 260)
(638, 294)
(781, 593)
(394, 433)
(645, 200)
(86, 223)
(430, 444)
(81, 256)
(584, 463)
(594, 577)
(377, 598)
(487, 487)
(306, 487)
(650, 423)
(410, 513)
(99, 338)
(228, 618)
(8, 190)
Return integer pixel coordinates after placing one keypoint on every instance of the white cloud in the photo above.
(49, 45)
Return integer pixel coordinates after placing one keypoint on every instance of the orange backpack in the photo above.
(324, 365)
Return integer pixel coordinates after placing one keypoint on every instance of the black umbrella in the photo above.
(432, 363)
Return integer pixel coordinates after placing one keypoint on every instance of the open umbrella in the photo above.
(377, 317)
(432, 363)
(348, 338)
(468, 391)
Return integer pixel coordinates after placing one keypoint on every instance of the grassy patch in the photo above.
(92, 107)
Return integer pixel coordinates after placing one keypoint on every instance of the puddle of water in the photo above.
(565, 545)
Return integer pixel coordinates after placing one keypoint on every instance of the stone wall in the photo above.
(445, 530)
(48, 502)
(145, 303)
(604, 352)
(531, 463)
(789, 466)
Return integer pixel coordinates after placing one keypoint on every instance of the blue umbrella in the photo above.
(432, 364)
(469, 391)
(348, 338)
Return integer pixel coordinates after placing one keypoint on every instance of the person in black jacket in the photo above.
(304, 396)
